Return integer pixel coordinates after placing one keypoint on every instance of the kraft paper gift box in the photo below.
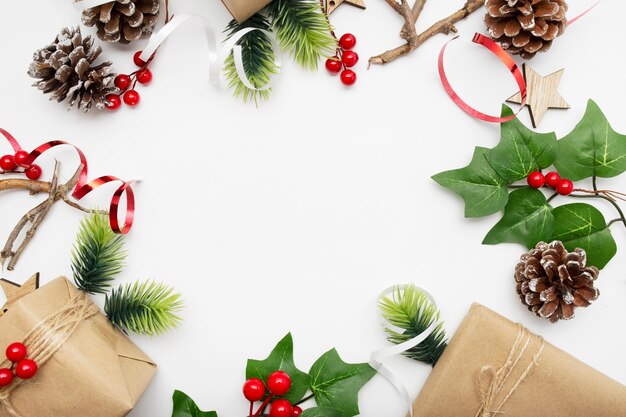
(96, 370)
(243, 9)
(493, 367)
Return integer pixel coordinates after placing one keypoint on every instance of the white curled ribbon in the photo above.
(377, 358)
(231, 45)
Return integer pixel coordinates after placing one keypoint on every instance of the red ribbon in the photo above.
(83, 187)
(506, 60)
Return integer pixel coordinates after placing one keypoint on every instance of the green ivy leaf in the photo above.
(521, 151)
(321, 412)
(593, 147)
(527, 219)
(480, 186)
(336, 384)
(281, 359)
(582, 226)
(184, 406)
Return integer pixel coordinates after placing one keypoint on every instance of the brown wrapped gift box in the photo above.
(98, 372)
(558, 385)
(243, 9)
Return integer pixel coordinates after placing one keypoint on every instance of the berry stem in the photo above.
(552, 197)
(515, 186)
(262, 407)
(613, 221)
(305, 399)
(251, 409)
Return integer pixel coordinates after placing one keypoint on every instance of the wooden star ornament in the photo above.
(542, 93)
(14, 291)
(331, 5)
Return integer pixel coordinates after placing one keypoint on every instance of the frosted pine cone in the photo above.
(552, 282)
(525, 27)
(123, 21)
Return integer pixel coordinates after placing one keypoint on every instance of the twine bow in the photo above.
(47, 337)
(491, 381)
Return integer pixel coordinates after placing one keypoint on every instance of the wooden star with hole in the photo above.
(542, 93)
(14, 291)
(331, 5)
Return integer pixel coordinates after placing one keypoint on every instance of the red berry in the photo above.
(536, 179)
(26, 369)
(253, 389)
(113, 102)
(296, 411)
(350, 58)
(16, 351)
(122, 81)
(348, 77)
(565, 187)
(347, 41)
(138, 61)
(281, 408)
(7, 163)
(6, 377)
(552, 179)
(144, 76)
(20, 157)
(333, 65)
(33, 172)
(279, 383)
(131, 97)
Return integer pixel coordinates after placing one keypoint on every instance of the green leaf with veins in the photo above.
(592, 148)
(527, 219)
(581, 225)
(281, 359)
(321, 412)
(184, 406)
(520, 150)
(336, 384)
(483, 190)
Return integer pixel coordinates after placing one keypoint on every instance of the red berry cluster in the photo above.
(551, 179)
(10, 163)
(22, 368)
(278, 385)
(126, 84)
(344, 59)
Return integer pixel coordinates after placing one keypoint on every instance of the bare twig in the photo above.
(413, 40)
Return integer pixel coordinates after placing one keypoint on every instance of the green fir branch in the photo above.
(258, 59)
(98, 254)
(302, 30)
(144, 308)
(409, 309)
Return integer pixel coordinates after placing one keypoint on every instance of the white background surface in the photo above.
(293, 216)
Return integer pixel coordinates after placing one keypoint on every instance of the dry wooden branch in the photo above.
(36, 215)
(408, 32)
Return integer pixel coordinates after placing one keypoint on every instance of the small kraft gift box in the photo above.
(243, 9)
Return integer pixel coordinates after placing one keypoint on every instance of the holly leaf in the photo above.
(581, 225)
(480, 186)
(592, 148)
(281, 359)
(184, 406)
(527, 219)
(336, 384)
(520, 150)
(321, 412)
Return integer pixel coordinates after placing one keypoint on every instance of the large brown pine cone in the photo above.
(123, 20)
(525, 27)
(66, 71)
(552, 282)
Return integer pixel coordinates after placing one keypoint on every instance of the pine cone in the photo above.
(123, 20)
(66, 72)
(552, 282)
(525, 27)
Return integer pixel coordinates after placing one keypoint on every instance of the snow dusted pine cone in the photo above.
(552, 282)
(123, 20)
(525, 27)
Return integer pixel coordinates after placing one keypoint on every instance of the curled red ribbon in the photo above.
(506, 60)
(83, 187)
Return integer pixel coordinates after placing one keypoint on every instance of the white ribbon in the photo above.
(231, 44)
(376, 359)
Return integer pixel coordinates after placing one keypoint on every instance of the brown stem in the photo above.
(416, 10)
(414, 40)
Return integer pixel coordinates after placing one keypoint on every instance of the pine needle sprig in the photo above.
(302, 30)
(258, 59)
(98, 254)
(147, 308)
(409, 309)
